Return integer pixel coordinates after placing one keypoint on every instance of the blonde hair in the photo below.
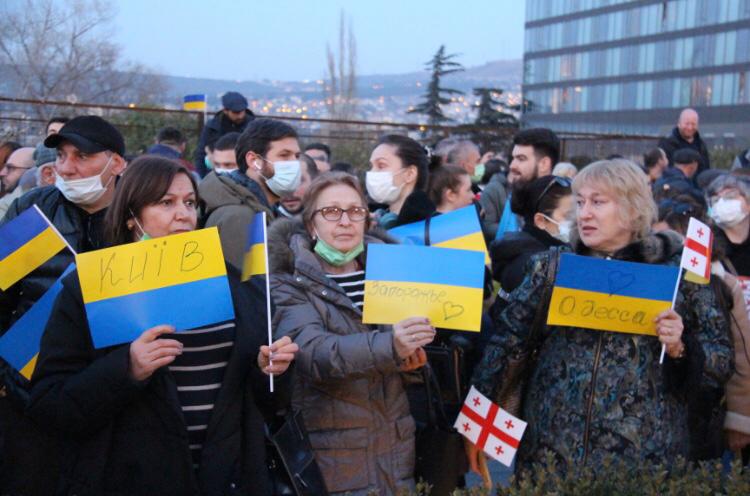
(628, 185)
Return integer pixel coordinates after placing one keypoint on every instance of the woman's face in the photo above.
(600, 226)
(343, 234)
(731, 194)
(462, 197)
(562, 213)
(174, 213)
(384, 159)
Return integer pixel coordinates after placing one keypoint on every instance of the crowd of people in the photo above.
(189, 411)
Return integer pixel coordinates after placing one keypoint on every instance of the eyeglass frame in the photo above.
(342, 212)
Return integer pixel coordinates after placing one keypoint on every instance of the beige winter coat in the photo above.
(347, 380)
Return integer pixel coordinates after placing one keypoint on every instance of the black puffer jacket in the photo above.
(511, 253)
(214, 129)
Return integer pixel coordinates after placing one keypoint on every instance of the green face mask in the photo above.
(478, 173)
(334, 256)
(208, 163)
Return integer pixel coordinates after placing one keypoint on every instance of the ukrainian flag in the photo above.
(610, 295)
(179, 280)
(254, 262)
(459, 229)
(443, 284)
(194, 102)
(26, 242)
(19, 346)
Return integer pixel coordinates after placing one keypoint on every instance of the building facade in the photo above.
(629, 66)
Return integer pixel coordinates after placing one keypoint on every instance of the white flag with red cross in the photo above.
(696, 256)
(489, 427)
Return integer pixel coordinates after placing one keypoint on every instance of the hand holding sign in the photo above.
(411, 334)
(149, 353)
(669, 329)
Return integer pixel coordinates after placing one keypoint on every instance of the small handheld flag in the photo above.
(19, 346)
(26, 242)
(194, 102)
(696, 255)
(489, 427)
(254, 262)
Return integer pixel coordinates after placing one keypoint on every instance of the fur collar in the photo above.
(656, 248)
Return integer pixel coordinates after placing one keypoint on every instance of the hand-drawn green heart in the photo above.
(450, 310)
(617, 281)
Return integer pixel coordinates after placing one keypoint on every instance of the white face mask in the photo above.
(563, 229)
(85, 191)
(224, 171)
(286, 178)
(380, 187)
(727, 213)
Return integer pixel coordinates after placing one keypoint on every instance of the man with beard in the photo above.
(291, 205)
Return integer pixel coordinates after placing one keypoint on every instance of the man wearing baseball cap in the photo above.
(233, 118)
(89, 157)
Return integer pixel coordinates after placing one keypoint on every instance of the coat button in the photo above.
(299, 279)
(324, 292)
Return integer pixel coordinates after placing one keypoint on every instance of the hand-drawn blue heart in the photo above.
(617, 281)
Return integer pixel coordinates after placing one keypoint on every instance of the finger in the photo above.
(416, 328)
(161, 362)
(265, 351)
(280, 343)
(413, 321)
(150, 335)
(156, 345)
(161, 353)
(287, 348)
(282, 357)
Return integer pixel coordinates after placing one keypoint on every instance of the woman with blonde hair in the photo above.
(590, 394)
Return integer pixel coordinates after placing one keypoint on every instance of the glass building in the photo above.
(629, 66)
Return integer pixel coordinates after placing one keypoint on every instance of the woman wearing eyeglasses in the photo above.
(546, 205)
(348, 382)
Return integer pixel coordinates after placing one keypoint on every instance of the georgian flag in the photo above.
(489, 427)
(696, 256)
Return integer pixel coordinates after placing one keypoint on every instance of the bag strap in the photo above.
(540, 319)
(435, 410)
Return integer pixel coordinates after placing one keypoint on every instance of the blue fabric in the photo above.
(508, 222)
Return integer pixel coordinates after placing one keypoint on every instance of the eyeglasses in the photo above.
(731, 194)
(11, 167)
(564, 182)
(355, 214)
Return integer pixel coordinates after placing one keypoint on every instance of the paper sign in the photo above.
(610, 295)
(179, 280)
(442, 284)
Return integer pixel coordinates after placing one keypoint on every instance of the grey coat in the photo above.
(347, 381)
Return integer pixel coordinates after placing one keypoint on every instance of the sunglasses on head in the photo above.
(563, 182)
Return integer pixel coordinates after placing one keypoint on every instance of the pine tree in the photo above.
(487, 112)
(440, 65)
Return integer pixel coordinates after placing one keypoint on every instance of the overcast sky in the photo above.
(286, 39)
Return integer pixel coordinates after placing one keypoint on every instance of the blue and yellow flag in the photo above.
(19, 346)
(179, 280)
(459, 229)
(194, 102)
(610, 295)
(442, 284)
(254, 262)
(26, 242)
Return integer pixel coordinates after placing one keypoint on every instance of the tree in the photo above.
(440, 65)
(488, 114)
(341, 90)
(60, 50)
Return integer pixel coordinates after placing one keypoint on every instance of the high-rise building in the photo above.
(629, 66)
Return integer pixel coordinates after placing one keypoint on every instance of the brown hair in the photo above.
(442, 178)
(323, 182)
(145, 181)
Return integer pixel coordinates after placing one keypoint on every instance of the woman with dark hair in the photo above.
(546, 205)
(174, 412)
(348, 380)
(450, 189)
(397, 178)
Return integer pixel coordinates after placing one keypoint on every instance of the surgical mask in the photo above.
(563, 229)
(380, 186)
(286, 178)
(224, 171)
(478, 173)
(209, 165)
(727, 213)
(144, 235)
(336, 257)
(84, 191)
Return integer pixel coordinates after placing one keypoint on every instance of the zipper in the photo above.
(591, 399)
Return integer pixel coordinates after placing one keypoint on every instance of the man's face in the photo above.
(293, 202)
(224, 160)
(279, 151)
(321, 159)
(690, 169)
(236, 117)
(74, 164)
(688, 124)
(524, 165)
(54, 128)
(470, 161)
(19, 162)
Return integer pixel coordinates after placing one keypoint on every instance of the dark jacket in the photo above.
(214, 129)
(673, 182)
(492, 200)
(592, 393)
(511, 254)
(124, 437)
(348, 385)
(22, 441)
(674, 141)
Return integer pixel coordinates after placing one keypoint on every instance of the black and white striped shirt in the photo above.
(353, 284)
(199, 372)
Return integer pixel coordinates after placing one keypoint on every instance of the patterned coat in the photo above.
(596, 393)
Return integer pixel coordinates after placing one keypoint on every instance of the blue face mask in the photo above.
(336, 257)
(207, 163)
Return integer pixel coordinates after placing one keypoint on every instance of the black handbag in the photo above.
(291, 462)
(441, 459)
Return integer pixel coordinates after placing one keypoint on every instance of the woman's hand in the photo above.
(669, 329)
(414, 361)
(473, 453)
(410, 334)
(148, 353)
(275, 359)
(737, 440)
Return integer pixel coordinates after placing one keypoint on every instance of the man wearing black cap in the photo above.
(233, 118)
(89, 157)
